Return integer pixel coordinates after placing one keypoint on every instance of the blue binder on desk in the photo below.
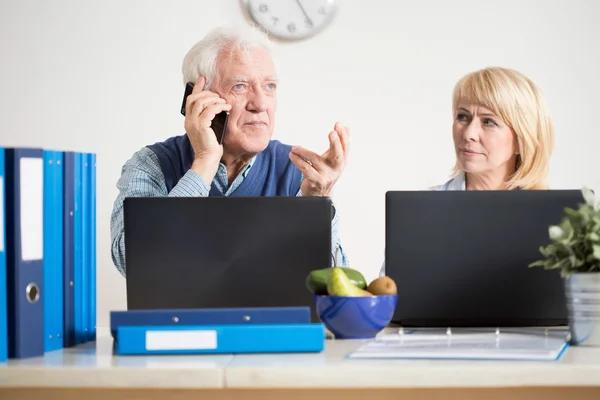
(91, 244)
(78, 247)
(24, 169)
(53, 250)
(220, 339)
(3, 297)
(68, 249)
(82, 288)
(209, 316)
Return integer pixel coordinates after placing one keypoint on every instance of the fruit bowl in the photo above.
(349, 317)
(347, 306)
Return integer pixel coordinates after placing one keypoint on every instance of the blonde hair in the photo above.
(517, 100)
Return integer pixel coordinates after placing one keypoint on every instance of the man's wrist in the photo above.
(206, 167)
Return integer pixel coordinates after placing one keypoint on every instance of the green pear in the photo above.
(340, 285)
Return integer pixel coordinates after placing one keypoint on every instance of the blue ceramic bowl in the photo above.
(355, 317)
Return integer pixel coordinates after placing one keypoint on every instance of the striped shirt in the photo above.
(142, 176)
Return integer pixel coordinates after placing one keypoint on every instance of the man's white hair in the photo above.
(201, 59)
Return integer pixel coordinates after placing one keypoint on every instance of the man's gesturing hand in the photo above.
(321, 172)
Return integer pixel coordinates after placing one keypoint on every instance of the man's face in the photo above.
(247, 80)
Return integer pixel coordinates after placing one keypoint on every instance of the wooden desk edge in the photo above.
(492, 393)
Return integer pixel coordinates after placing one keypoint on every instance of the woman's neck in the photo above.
(487, 181)
(491, 180)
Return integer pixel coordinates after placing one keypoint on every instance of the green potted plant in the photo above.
(574, 249)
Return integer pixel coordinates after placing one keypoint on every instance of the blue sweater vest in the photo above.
(272, 174)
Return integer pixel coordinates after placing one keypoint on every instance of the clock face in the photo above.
(291, 19)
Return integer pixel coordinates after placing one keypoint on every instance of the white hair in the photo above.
(201, 59)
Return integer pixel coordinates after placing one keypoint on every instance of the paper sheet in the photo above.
(484, 346)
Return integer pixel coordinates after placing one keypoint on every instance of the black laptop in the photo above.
(200, 252)
(460, 258)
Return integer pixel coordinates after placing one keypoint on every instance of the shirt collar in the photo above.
(457, 183)
(245, 169)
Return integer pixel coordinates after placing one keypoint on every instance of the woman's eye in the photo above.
(461, 117)
(239, 86)
(489, 122)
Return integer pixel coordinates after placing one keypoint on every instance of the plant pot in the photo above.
(582, 292)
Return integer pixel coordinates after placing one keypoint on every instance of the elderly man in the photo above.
(232, 70)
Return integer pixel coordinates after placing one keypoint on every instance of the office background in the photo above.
(105, 76)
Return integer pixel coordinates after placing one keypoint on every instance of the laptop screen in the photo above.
(461, 258)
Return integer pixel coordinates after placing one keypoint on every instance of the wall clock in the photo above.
(291, 19)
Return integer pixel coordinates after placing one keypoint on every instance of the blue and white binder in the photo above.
(68, 249)
(53, 250)
(92, 247)
(209, 316)
(3, 297)
(24, 169)
(220, 339)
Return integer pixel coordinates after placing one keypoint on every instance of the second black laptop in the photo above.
(460, 258)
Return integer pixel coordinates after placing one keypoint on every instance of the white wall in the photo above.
(104, 76)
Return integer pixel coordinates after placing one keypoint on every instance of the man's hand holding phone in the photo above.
(201, 107)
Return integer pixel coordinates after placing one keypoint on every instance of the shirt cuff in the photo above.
(190, 185)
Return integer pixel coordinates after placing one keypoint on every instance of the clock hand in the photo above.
(305, 14)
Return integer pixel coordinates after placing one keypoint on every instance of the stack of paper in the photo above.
(483, 346)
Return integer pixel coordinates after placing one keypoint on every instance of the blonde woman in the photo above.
(502, 131)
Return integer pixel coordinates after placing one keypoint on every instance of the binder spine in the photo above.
(85, 236)
(92, 247)
(24, 252)
(3, 294)
(221, 339)
(53, 245)
(68, 249)
(209, 316)
(78, 250)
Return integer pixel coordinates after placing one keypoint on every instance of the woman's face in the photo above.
(482, 140)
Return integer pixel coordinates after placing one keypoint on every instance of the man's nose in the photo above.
(257, 101)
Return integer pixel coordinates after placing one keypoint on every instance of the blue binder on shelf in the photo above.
(24, 169)
(209, 316)
(220, 339)
(68, 249)
(91, 244)
(3, 297)
(53, 250)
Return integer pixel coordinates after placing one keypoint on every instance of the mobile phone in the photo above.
(219, 123)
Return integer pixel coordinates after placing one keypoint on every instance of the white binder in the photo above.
(467, 344)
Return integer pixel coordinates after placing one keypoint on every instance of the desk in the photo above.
(91, 372)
